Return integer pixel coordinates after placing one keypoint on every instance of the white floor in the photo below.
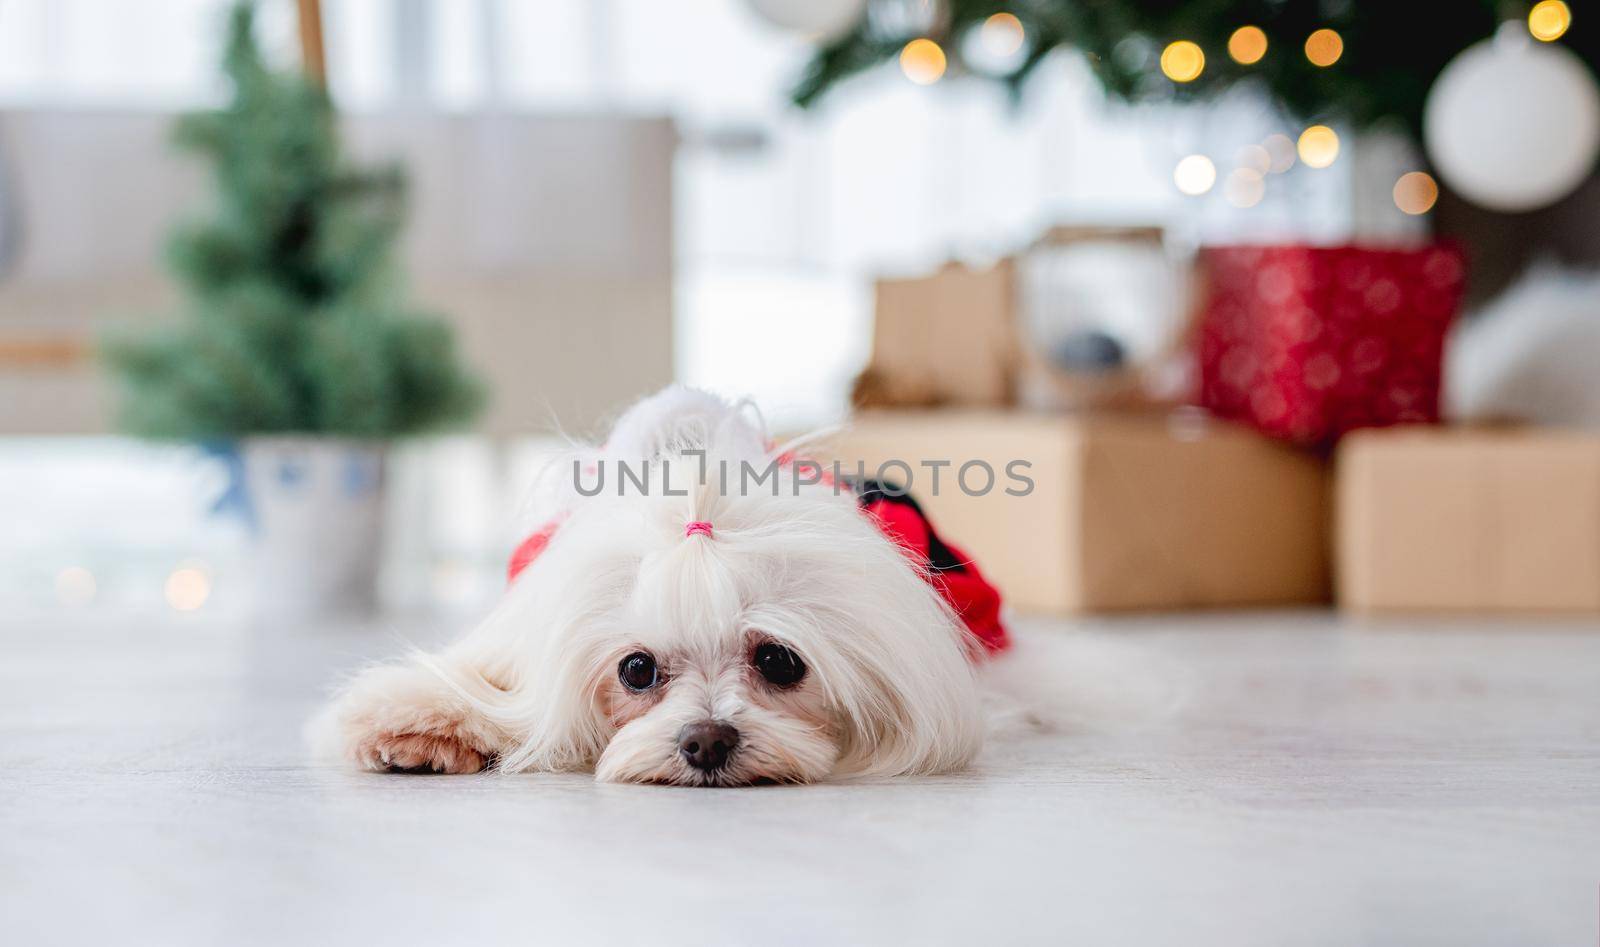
(1327, 783)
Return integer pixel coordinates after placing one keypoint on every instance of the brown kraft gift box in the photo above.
(1473, 519)
(1126, 512)
(946, 339)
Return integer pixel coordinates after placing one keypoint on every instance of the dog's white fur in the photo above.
(890, 687)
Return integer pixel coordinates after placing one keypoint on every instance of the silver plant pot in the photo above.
(317, 505)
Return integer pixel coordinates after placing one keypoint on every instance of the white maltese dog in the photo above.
(699, 621)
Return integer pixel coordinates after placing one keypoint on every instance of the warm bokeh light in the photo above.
(922, 61)
(75, 585)
(188, 588)
(1281, 150)
(1318, 146)
(1002, 34)
(1416, 192)
(1548, 20)
(1183, 61)
(1194, 175)
(1254, 157)
(1244, 187)
(1324, 47)
(1247, 45)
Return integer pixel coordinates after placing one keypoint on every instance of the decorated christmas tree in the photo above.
(294, 318)
(1356, 62)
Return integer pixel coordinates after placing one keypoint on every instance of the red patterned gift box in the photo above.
(1306, 343)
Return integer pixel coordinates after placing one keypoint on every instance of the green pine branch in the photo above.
(1392, 50)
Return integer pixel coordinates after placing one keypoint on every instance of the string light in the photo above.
(1194, 175)
(922, 61)
(1549, 20)
(1183, 61)
(1281, 150)
(1245, 187)
(187, 588)
(1247, 45)
(1254, 157)
(1318, 146)
(1324, 47)
(1002, 34)
(75, 585)
(1416, 192)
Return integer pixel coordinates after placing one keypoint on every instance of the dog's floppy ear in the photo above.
(891, 660)
(678, 418)
(917, 720)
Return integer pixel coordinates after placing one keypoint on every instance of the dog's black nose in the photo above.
(706, 745)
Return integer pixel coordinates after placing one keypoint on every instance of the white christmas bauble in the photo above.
(1513, 126)
(818, 20)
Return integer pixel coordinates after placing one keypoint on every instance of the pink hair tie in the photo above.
(698, 526)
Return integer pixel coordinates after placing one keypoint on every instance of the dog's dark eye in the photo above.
(780, 666)
(638, 671)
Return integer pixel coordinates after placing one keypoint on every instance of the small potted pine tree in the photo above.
(296, 351)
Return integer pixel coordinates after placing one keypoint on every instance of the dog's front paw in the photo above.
(406, 719)
(417, 753)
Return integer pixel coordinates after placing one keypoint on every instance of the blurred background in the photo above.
(1169, 253)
